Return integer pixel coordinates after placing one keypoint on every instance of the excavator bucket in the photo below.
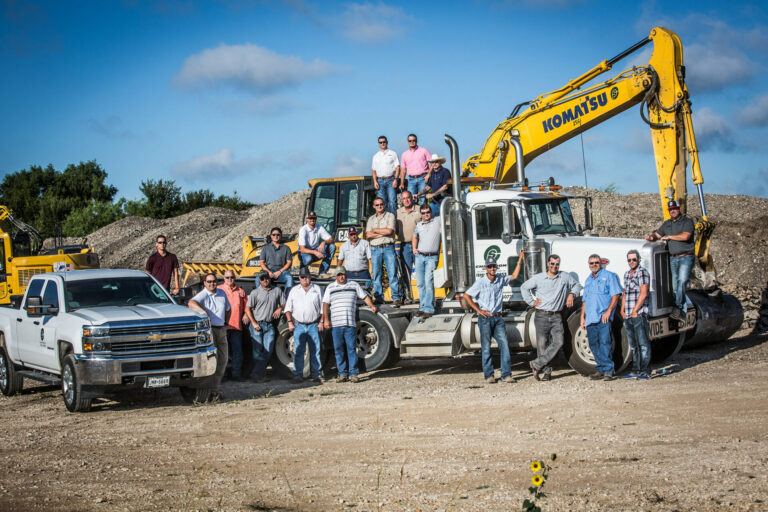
(704, 276)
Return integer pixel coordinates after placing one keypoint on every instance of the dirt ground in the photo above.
(426, 435)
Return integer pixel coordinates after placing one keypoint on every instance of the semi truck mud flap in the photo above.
(436, 336)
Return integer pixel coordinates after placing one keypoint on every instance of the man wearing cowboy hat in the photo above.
(678, 233)
(437, 183)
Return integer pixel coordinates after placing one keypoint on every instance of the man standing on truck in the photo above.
(164, 265)
(276, 259)
(678, 233)
(315, 243)
(553, 291)
(407, 217)
(634, 310)
(237, 300)
(340, 315)
(386, 174)
(304, 312)
(380, 232)
(426, 249)
(263, 309)
(601, 295)
(213, 302)
(486, 297)
(355, 253)
(415, 165)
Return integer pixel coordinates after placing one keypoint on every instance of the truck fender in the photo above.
(64, 348)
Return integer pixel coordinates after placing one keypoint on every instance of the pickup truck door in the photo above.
(36, 334)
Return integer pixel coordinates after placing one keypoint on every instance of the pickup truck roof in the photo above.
(79, 275)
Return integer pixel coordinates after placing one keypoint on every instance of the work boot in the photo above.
(596, 376)
(534, 370)
(608, 377)
(546, 376)
(491, 380)
(354, 379)
(297, 380)
(341, 378)
(509, 379)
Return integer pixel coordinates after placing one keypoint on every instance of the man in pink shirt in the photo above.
(237, 299)
(414, 164)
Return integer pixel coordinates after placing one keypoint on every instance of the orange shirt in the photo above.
(237, 299)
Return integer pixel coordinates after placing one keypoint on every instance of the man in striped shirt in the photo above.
(340, 315)
(634, 310)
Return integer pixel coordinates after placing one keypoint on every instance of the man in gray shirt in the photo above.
(553, 290)
(426, 249)
(276, 259)
(263, 309)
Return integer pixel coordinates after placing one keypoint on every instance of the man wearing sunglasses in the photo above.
(304, 312)
(386, 173)
(264, 307)
(601, 295)
(415, 164)
(426, 248)
(164, 265)
(237, 300)
(276, 259)
(315, 243)
(213, 302)
(549, 293)
(380, 232)
(634, 310)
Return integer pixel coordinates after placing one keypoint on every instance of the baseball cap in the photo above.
(304, 272)
(673, 204)
(312, 215)
(341, 270)
(353, 231)
(490, 260)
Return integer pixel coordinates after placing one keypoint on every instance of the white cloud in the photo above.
(756, 112)
(563, 161)
(348, 165)
(248, 67)
(714, 67)
(712, 131)
(217, 165)
(369, 23)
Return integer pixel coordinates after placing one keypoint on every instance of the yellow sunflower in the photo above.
(537, 480)
(535, 466)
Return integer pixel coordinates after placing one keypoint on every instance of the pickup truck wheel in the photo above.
(70, 387)
(195, 395)
(580, 356)
(373, 342)
(10, 382)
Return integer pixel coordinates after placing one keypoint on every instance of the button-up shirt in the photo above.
(598, 291)
(355, 257)
(385, 164)
(305, 305)
(215, 305)
(237, 299)
(551, 291)
(385, 221)
(632, 284)
(437, 179)
(312, 238)
(406, 222)
(415, 161)
(489, 294)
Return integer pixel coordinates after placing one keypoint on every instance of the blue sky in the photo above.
(259, 96)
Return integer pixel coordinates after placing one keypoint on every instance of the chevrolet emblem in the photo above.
(155, 337)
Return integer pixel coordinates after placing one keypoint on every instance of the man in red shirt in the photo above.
(164, 265)
(237, 299)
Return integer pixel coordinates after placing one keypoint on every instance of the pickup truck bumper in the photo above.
(188, 368)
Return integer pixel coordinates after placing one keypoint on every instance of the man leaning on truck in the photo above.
(213, 302)
(164, 265)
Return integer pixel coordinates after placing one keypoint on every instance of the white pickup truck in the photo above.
(100, 331)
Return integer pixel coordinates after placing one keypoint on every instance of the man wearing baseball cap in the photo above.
(355, 253)
(678, 233)
(485, 296)
(263, 309)
(315, 243)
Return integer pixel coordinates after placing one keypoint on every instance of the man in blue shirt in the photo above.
(437, 181)
(601, 295)
(485, 296)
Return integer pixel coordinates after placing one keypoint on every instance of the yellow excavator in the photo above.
(21, 256)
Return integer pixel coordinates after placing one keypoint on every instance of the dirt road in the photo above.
(427, 435)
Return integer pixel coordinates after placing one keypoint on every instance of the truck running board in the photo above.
(436, 336)
(42, 377)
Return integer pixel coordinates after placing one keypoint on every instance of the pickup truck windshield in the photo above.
(550, 217)
(123, 291)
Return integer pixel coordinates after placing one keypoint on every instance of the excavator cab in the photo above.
(341, 203)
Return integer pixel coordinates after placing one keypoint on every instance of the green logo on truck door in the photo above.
(493, 251)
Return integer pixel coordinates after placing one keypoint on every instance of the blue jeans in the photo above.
(494, 326)
(416, 185)
(287, 279)
(435, 206)
(263, 348)
(235, 341)
(639, 341)
(388, 193)
(681, 271)
(385, 255)
(303, 335)
(362, 274)
(406, 250)
(344, 348)
(425, 266)
(599, 336)
(306, 259)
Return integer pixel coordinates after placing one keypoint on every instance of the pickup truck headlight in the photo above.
(202, 323)
(95, 332)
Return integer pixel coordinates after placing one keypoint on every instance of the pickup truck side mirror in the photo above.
(34, 305)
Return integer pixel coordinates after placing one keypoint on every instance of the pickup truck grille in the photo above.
(171, 345)
(145, 330)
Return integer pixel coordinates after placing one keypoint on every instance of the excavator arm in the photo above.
(539, 125)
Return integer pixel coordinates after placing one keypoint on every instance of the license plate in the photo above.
(159, 382)
(659, 327)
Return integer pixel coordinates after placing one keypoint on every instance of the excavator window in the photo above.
(338, 204)
(325, 205)
(22, 244)
(2, 260)
(348, 201)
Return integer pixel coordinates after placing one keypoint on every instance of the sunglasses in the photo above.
(210, 282)
(161, 243)
(229, 277)
(275, 234)
(631, 259)
(303, 277)
(594, 262)
(492, 266)
(382, 142)
(554, 264)
(376, 205)
(411, 140)
(427, 213)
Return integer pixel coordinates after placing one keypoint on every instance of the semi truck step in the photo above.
(431, 337)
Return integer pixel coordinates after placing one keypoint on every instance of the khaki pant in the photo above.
(222, 354)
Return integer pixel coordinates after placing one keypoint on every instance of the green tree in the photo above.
(97, 214)
(162, 199)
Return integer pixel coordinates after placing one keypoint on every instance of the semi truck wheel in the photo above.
(195, 395)
(282, 360)
(664, 348)
(580, 356)
(373, 342)
(10, 382)
(70, 387)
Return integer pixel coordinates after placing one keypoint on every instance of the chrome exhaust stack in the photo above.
(461, 262)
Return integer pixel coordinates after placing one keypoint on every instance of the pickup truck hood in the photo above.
(100, 315)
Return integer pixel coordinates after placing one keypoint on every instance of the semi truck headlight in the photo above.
(96, 332)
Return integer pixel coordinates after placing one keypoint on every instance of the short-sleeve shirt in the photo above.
(406, 222)
(275, 259)
(386, 221)
(215, 305)
(437, 179)
(598, 291)
(551, 291)
(632, 284)
(342, 301)
(683, 224)
(162, 267)
(264, 302)
(355, 257)
(415, 161)
(428, 234)
(489, 295)
(237, 299)
(312, 238)
(385, 164)
(305, 306)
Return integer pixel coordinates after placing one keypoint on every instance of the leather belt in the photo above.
(307, 323)
(543, 312)
(492, 314)
(381, 245)
(218, 326)
(682, 254)
(419, 176)
(429, 253)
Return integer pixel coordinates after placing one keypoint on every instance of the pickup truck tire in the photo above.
(71, 390)
(10, 382)
(195, 395)
(373, 341)
(578, 353)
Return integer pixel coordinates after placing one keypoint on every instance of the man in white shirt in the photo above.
(355, 253)
(385, 169)
(315, 243)
(304, 312)
(213, 302)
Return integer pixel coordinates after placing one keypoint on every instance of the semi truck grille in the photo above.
(147, 346)
(665, 297)
(146, 330)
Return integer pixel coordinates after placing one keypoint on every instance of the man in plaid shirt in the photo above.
(634, 310)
